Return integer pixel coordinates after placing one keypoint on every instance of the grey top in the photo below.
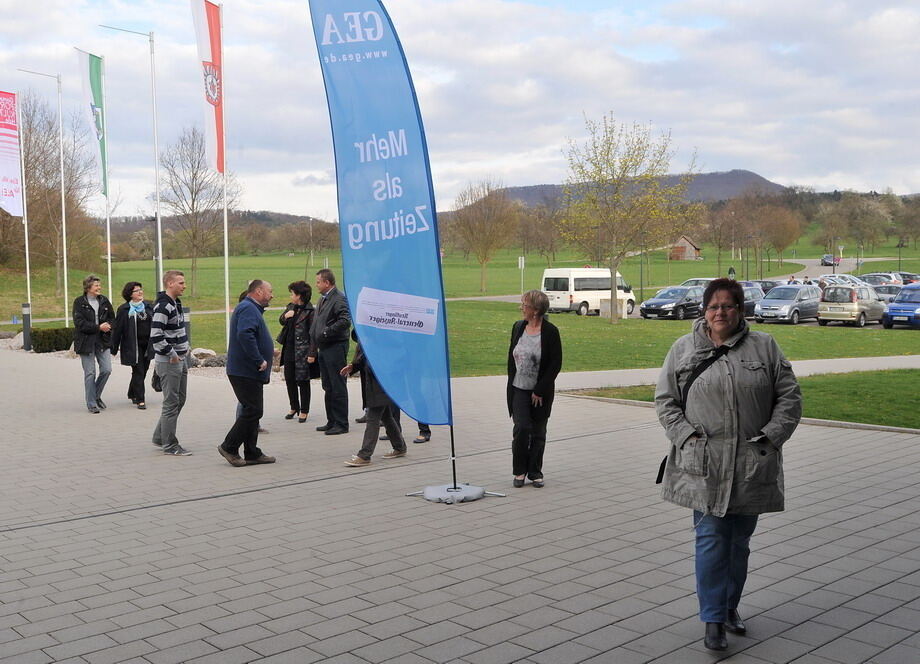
(527, 361)
(94, 303)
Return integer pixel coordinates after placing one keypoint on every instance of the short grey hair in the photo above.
(537, 300)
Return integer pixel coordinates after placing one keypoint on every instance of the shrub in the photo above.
(49, 339)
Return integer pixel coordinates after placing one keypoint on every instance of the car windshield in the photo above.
(837, 294)
(874, 279)
(671, 293)
(781, 293)
(911, 295)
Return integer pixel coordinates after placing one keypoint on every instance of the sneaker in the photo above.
(178, 450)
(384, 437)
(421, 438)
(100, 403)
(357, 461)
(262, 459)
(93, 410)
(232, 459)
(394, 454)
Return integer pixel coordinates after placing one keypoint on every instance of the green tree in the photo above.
(485, 220)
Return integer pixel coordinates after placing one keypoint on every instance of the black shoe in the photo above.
(734, 624)
(384, 437)
(335, 430)
(361, 420)
(290, 416)
(324, 427)
(100, 403)
(141, 405)
(537, 483)
(518, 483)
(715, 637)
(422, 438)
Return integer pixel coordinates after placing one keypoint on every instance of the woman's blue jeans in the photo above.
(722, 551)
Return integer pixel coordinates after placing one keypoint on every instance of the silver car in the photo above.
(789, 303)
(888, 292)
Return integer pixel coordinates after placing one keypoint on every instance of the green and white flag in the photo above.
(93, 71)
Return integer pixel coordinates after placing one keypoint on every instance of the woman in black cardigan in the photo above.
(131, 336)
(534, 361)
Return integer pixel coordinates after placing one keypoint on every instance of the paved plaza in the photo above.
(112, 552)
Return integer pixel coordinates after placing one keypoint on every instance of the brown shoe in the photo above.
(262, 459)
(394, 454)
(357, 461)
(232, 459)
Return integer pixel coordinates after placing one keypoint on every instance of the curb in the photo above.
(839, 424)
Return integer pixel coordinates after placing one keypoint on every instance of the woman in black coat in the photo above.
(295, 346)
(131, 336)
(534, 361)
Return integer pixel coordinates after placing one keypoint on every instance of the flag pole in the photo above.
(223, 139)
(105, 177)
(25, 209)
(156, 147)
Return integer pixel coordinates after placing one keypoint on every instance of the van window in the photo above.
(556, 284)
(592, 283)
(837, 294)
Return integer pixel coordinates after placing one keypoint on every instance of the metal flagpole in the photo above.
(57, 77)
(25, 210)
(223, 136)
(156, 147)
(105, 180)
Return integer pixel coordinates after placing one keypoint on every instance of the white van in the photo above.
(581, 289)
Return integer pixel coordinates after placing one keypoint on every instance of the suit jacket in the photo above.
(331, 322)
(550, 363)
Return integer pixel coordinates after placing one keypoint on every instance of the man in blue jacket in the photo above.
(249, 366)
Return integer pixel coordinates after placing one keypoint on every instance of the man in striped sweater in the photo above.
(170, 345)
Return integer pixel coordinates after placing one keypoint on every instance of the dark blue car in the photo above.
(903, 309)
(678, 302)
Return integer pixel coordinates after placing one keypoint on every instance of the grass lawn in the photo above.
(831, 396)
(480, 333)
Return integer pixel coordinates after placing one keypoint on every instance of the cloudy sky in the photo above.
(823, 94)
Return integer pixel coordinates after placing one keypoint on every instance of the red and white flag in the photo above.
(10, 165)
(208, 31)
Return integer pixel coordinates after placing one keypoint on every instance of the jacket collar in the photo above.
(703, 344)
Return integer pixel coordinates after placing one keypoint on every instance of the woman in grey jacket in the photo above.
(728, 400)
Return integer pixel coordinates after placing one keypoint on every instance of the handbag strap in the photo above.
(698, 370)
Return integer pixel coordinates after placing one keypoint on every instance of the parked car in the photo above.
(888, 292)
(678, 302)
(856, 305)
(843, 279)
(904, 309)
(789, 303)
(909, 277)
(881, 278)
(830, 259)
(752, 295)
(766, 285)
(698, 282)
(832, 279)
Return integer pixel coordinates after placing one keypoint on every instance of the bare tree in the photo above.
(616, 195)
(193, 193)
(485, 220)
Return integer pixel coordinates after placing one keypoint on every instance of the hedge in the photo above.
(49, 339)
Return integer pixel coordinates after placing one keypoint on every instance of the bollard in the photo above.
(26, 326)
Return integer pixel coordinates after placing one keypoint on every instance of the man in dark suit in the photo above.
(329, 348)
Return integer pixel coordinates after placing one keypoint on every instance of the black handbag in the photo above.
(685, 391)
(155, 381)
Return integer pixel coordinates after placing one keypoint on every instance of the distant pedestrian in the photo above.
(329, 348)
(170, 348)
(131, 338)
(534, 361)
(379, 411)
(93, 317)
(295, 347)
(792, 280)
(726, 433)
(249, 366)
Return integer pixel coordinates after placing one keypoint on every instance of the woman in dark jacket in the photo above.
(92, 335)
(534, 361)
(295, 346)
(131, 336)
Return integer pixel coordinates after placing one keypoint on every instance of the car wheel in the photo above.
(822, 323)
(583, 309)
(643, 315)
(758, 320)
(887, 325)
(794, 319)
(630, 307)
(861, 321)
(680, 313)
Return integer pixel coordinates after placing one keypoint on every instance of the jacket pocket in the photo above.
(692, 457)
(753, 374)
(761, 463)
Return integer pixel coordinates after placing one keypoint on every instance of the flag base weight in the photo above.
(450, 493)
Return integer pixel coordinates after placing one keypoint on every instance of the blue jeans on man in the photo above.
(93, 384)
(722, 552)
